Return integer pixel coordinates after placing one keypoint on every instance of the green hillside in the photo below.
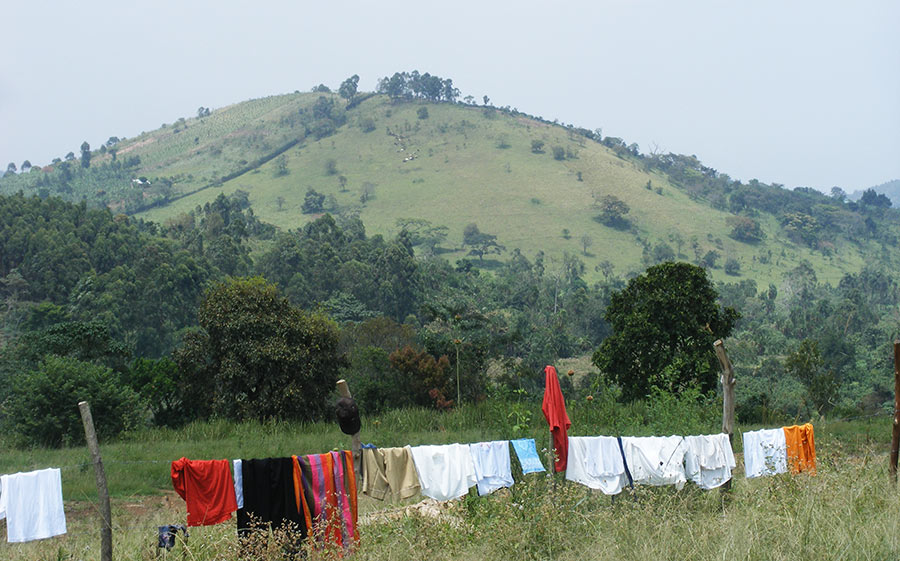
(450, 164)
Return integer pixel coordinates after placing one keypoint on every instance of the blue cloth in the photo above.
(527, 454)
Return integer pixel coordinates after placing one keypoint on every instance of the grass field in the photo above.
(470, 165)
(848, 511)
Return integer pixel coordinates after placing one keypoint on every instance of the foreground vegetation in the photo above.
(848, 511)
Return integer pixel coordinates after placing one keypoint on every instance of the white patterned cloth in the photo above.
(708, 459)
(596, 461)
(765, 452)
(445, 471)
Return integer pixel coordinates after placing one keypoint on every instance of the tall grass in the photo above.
(848, 511)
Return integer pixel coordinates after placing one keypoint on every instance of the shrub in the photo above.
(732, 266)
(43, 405)
(422, 112)
(537, 146)
(559, 153)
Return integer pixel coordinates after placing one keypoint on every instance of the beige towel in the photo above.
(389, 472)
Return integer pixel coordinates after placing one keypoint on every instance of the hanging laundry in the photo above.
(800, 447)
(492, 465)
(708, 459)
(208, 489)
(325, 490)
(655, 460)
(554, 408)
(526, 451)
(32, 504)
(389, 472)
(238, 484)
(269, 495)
(596, 461)
(765, 452)
(445, 472)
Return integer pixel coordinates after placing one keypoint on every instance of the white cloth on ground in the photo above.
(596, 461)
(765, 452)
(238, 483)
(492, 465)
(445, 471)
(655, 460)
(708, 459)
(32, 504)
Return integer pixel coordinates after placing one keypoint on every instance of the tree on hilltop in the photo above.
(349, 87)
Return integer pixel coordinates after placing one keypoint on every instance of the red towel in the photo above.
(554, 409)
(207, 488)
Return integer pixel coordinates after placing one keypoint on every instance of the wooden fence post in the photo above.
(102, 491)
(355, 446)
(895, 431)
(728, 383)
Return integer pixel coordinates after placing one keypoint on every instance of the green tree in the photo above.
(480, 243)
(281, 168)
(806, 365)
(559, 153)
(256, 356)
(664, 323)
(313, 202)
(612, 210)
(85, 155)
(43, 405)
(537, 146)
(745, 229)
(422, 112)
(349, 87)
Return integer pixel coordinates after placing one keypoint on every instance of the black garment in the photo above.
(348, 415)
(167, 535)
(269, 495)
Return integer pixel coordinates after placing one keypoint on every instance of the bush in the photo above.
(537, 146)
(732, 266)
(422, 112)
(43, 406)
(559, 153)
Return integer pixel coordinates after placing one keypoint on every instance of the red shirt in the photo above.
(554, 408)
(207, 488)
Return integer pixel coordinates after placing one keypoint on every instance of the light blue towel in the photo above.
(528, 456)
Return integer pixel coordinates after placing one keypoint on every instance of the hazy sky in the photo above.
(804, 93)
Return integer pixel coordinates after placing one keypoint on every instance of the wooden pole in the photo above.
(102, 491)
(355, 445)
(895, 431)
(728, 383)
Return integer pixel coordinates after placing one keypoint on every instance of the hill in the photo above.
(535, 185)
(891, 189)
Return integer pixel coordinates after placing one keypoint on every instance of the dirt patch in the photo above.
(136, 145)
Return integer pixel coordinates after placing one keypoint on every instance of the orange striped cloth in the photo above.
(325, 490)
(801, 448)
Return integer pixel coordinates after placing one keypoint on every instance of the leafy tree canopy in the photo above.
(258, 357)
(664, 323)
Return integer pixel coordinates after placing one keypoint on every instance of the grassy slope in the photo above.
(461, 176)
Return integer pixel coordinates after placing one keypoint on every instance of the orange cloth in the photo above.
(554, 408)
(207, 488)
(801, 448)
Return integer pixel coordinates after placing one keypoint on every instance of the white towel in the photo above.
(655, 460)
(596, 461)
(765, 452)
(445, 471)
(32, 504)
(708, 459)
(492, 465)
